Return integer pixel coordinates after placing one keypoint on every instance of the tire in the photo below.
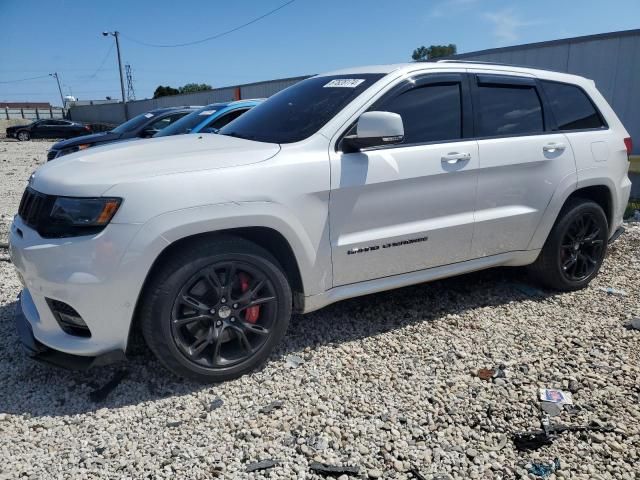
(232, 334)
(23, 136)
(574, 251)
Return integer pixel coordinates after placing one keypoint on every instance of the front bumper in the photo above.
(40, 352)
(619, 231)
(88, 273)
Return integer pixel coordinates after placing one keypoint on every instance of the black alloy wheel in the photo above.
(581, 248)
(223, 314)
(215, 308)
(575, 247)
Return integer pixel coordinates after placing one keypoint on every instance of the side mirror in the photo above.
(375, 129)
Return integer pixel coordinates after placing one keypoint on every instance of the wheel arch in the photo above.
(268, 238)
(600, 194)
(599, 190)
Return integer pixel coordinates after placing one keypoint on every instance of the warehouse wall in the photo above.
(612, 60)
(113, 113)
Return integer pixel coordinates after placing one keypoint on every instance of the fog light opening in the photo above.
(69, 320)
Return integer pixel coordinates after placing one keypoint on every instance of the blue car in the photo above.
(209, 119)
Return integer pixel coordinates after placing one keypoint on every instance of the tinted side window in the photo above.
(504, 109)
(166, 121)
(226, 119)
(571, 107)
(432, 113)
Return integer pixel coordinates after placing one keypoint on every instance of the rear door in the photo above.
(408, 207)
(64, 128)
(522, 161)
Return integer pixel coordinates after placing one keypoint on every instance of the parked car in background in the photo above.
(209, 119)
(144, 125)
(49, 128)
(344, 184)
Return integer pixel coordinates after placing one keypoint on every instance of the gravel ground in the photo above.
(386, 383)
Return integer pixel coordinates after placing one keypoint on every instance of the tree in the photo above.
(422, 54)
(188, 88)
(165, 91)
(195, 87)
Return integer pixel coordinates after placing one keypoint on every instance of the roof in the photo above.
(441, 64)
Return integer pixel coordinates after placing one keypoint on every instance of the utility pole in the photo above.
(55, 75)
(116, 35)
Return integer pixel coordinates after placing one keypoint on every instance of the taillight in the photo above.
(629, 144)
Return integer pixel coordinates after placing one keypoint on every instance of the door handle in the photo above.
(554, 147)
(455, 157)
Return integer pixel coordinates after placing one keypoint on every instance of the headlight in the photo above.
(56, 217)
(84, 212)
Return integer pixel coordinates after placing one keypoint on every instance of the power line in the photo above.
(213, 37)
(92, 76)
(24, 79)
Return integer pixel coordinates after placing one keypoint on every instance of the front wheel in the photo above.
(216, 311)
(23, 136)
(575, 248)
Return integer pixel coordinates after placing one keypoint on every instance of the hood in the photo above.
(92, 138)
(93, 171)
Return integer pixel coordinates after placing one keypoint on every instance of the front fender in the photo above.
(310, 249)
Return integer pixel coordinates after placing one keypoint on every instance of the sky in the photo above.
(38, 37)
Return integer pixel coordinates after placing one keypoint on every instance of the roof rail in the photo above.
(477, 61)
(499, 64)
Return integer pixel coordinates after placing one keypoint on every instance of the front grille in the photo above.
(51, 154)
(34, 208)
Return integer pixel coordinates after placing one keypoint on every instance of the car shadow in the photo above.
(34, 389)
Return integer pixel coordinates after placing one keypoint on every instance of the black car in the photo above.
(48, 129)
(143, 126)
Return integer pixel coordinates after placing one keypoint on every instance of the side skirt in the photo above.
(336, 294)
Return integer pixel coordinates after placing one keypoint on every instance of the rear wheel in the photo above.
(216, 311)
(23, 135)
(575, 248)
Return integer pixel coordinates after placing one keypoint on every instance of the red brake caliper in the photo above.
(251, 314)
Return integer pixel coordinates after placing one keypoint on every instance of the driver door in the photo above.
(408, 207)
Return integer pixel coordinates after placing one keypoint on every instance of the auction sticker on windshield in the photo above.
(344, 83)
(207, 112)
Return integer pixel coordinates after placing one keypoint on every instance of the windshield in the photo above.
(189, 122)
(134, 123)
(300, 110)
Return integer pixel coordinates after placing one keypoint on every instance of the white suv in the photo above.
(344, 184)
